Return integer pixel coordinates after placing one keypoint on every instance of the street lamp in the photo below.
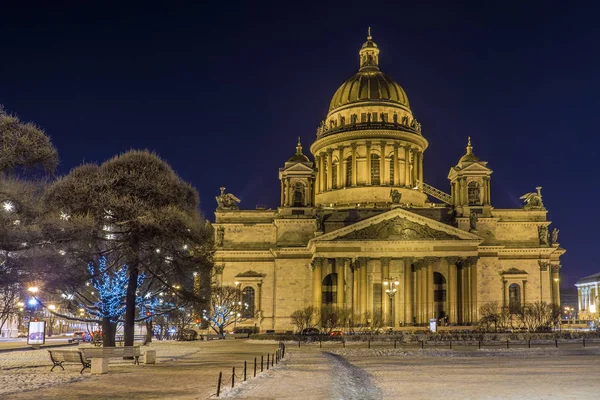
(391, 288)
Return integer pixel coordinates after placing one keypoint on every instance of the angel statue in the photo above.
(395, 195)
(533, 201)
(555, 236)
(227, 201)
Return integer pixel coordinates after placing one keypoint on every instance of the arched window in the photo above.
(375, 180)
(514, 298)
(248, 302)
(349, 171)
(334, 171)
(392, 171)
(330, 289)
(474, 193)
(298, 195)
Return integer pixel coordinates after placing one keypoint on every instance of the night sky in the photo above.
(221, 91)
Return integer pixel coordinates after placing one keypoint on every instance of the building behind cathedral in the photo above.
(357, 228)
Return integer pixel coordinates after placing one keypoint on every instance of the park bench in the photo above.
(59, 357)
(99, 356)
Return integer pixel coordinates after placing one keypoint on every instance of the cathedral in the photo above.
(358, 229)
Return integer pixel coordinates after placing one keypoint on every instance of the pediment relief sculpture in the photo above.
(514, 271)
(398, 229)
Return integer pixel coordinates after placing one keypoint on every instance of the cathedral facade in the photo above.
(357, 227)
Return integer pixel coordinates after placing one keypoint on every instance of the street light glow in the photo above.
(8, 206)
(33, 289)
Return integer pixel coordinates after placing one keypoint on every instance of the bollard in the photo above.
(529, 343)
(245, 370)
(395, 343)
(584, 342)
(450, 344)
(219, 383)
(233, 377)
(507, 343)
(298, 343)
(255, 367)
(283, 349)
(422, 344)
(320, 343)
(272, 360)
(344, 343)
(479, 344)
(556, 343)
(261, 362)
(369, 343)
(277, 357)
(268, 361)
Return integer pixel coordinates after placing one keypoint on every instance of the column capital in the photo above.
(452, 260)
(368, 144)
(385, 261)
(329, 151)
(383, 143)
(317, 262)
(354, 145)
(543, 265)
(219, 269)
(396, 145)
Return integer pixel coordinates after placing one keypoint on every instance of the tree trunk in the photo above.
(149, 331)
(109, 329)
(130, 306)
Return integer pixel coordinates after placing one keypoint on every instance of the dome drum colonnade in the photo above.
(370, 154)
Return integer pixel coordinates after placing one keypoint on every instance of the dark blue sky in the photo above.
(221, 91)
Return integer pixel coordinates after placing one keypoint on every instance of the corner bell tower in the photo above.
(470, 184)
(297, 181)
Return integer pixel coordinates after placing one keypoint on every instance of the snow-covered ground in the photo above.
(188, 370)
(29, 370)
(360, 373)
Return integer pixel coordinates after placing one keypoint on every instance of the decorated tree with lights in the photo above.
(226, 308)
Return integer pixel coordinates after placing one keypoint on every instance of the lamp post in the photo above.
(391, 288)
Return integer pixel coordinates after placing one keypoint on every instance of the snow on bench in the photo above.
(59, 357)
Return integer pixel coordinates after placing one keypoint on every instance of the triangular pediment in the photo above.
(398, 224)
(298, 167)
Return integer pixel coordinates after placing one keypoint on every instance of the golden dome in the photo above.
(469, 157)
(369, 86)
(369, 83)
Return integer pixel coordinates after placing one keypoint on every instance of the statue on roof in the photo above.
(543, 234)
(555, 236)
(395, 195)
(227, 201)
(533, 201)
(473, 219)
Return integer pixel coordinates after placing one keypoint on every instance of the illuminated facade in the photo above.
(359, 220)
(587, 297)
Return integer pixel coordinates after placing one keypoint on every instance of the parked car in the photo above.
(244, 329)
(336, 333)
(22, 334)
(81, 336)
(310, 332)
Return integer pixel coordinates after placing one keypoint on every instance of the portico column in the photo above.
(382, 176)
(451, 290)
(368, 146)
(317, 267)
(354, 166)
(524, 292)
(579, 298)
(465, 195)
(396, 166)
(473, 286)
(349, 283)
(385, 299)
(555, 286)
(329, 169)
(429, 294)
(489, 191)
(407, 166)
(363, 284)
(282, 193)
(355, 287)
(409, 298)
(340, 270)
(289, 201)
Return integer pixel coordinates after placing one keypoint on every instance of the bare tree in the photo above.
(305, 318)
(226, 308)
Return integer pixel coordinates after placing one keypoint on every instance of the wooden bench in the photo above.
(59, 357)
(99, 356)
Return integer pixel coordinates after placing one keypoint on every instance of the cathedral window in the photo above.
(298, 195)
(248, 297)
(514, 298)
(474, 193)
(375, 171)
(349, 171)
(363, 117)
(392, 171)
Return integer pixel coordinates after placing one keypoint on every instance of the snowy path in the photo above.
(310, 375)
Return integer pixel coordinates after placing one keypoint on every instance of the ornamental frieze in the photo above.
(398, 229)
